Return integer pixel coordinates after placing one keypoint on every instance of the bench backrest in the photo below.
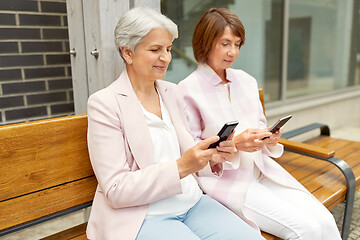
(45, 168)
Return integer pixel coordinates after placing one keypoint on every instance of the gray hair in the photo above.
(135, 24)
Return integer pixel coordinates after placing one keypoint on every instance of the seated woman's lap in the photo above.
(208, 220)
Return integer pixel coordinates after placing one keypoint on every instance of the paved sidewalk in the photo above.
(338, 212)
(349, 133)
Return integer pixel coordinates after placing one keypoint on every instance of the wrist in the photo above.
(181, 169)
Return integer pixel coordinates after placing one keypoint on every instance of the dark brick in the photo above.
(21, 60)
(57, 59)
(39, 20)
(19, 33)
(10, 74)
(62, 108)
(69, 71)
(19, 5)
(7, 19)
(57, 7)
(67, 47)
(9, 47)
(7, 102)
(25, 113)
(55, 34)
(60, 84)
(65, 21)
(44, 72)
(41, 46)
(71, 94)
(46, 98)
(23, 87)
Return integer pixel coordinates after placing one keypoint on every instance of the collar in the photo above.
(210, 75)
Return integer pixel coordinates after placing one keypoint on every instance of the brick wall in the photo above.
(35, 70)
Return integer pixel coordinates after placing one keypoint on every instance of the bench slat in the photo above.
(77, 232)
(29, 207)
(42, 154)
(269, 236)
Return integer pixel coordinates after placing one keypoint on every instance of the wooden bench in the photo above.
(46, 172)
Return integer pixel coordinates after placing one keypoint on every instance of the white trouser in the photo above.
(288, 213)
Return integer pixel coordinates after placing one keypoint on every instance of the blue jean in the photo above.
(207, 219)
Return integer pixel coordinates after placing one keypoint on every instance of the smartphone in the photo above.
(276, 127)
(225, 132)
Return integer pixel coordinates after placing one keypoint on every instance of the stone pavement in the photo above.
(350, 133)
(338, 212)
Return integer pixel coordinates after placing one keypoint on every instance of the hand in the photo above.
(197, 157)
(225, 151)
(273, 139)
(249, 140)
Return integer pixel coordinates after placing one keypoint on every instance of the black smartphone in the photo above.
(225, 132)
(276, 127)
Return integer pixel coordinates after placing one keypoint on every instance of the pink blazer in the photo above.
(209, 108)
(120, 151)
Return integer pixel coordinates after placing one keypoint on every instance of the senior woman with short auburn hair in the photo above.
(254, 186)
(143, 156)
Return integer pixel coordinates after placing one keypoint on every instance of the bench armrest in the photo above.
(307, 148)
(324, 130)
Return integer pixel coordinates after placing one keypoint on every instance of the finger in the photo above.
(209, 153)
(261, 135)
(260, 143)
(217, 158)
(256, 131)
(277, 134)
(227, 143)
(225, 149)
(257, 148)
(204, 144)
(223, 156)
(231, 135)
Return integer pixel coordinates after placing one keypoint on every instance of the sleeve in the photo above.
(193, 114)
(119, 182)
(194, 123)
(235, 162)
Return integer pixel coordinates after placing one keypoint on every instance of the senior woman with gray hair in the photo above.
(142, 153)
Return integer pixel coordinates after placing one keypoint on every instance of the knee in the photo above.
(316, 228)
(313, 230)
(306, 230)
(328, 225)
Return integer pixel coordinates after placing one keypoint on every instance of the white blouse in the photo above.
(166, 148)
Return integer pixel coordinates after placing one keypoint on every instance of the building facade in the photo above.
(305, 54)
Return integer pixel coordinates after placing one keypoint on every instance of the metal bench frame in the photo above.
(339, 163)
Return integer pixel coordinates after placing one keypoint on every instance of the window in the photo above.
(293, 47)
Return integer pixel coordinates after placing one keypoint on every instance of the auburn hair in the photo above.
(210, 27)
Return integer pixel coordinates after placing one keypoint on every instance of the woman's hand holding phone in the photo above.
(197, 157)
(225, 151)
(273, 139)
(249, 140)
